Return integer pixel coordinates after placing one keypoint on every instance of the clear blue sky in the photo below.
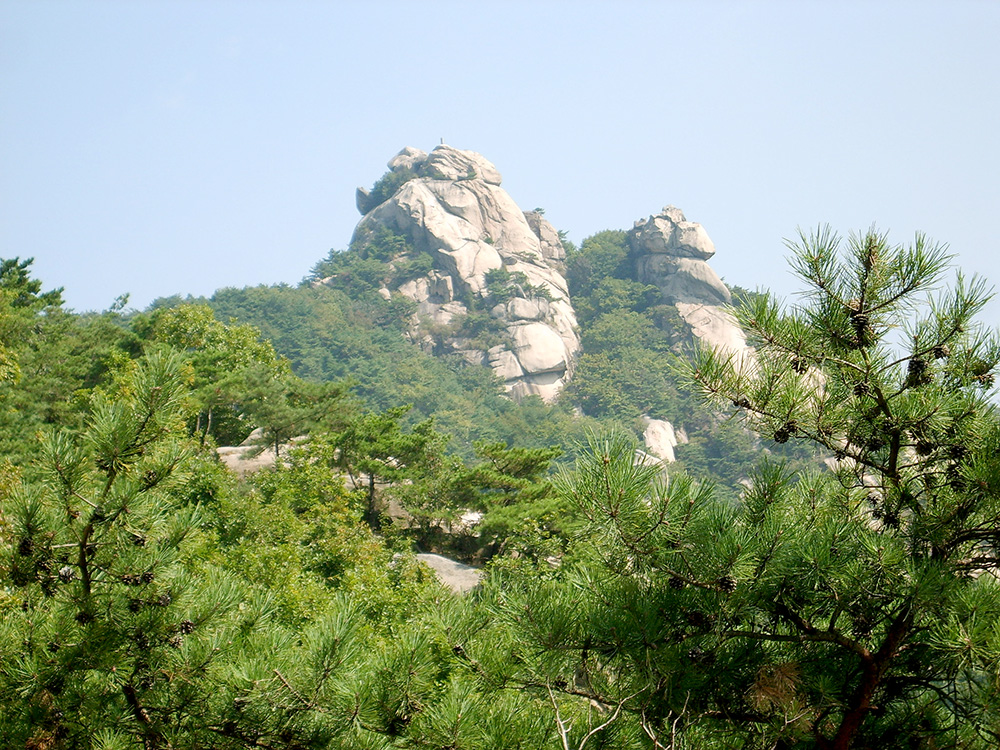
(157, 148)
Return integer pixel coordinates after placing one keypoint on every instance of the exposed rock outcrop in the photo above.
(457, 576)
(488, 256)
(670, 252)
(660, 438)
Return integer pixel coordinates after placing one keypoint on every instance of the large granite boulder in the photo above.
(670, 252)
(454, 209)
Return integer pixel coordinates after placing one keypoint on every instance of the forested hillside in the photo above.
(817, 568)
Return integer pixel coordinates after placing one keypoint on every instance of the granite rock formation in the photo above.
(670, 252)
(488, 257)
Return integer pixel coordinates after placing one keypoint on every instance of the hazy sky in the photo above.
(157, 148)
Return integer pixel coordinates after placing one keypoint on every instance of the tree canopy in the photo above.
(818, 570)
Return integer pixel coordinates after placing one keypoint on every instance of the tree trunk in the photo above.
(872, 676)
(371, 513)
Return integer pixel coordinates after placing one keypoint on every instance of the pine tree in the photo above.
(108, 639)
(848, 607)
(375, 448)
(895, 383)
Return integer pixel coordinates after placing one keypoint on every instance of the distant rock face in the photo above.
(660, 438)
(670, 252)
(457, 576)
(455, 211)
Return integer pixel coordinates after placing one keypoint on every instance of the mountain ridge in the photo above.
(488, 256)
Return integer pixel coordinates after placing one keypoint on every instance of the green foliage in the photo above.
(601, 256)
(503, 286)
(225, 360)
(623, 329)
(375, 448)
(353, 273)
(151, 599)
(482, 330)
(382, 244)
(520, 511)
(824, 609)
(611, 294)
(626, 384)
(110, 635)
(25, 292)
(386, 187)
(414, 266)
(49, 358)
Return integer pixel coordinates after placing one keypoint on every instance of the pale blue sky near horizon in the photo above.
(160, 148)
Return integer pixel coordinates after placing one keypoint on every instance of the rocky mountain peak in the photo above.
(670, 252)
(490, 284)
(490, 262)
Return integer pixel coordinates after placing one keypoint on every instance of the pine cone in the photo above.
(147, 577)
(862, 389)
(781, 435)
(677, 583)
(800, 365)
(26, 547)
(862, 329)
(941, 351)
(916, 372)
(726, 584)
(187, 627)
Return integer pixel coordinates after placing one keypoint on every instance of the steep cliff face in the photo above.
(670, 252)
(490, 262)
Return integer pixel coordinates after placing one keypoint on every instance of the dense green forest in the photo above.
(816, 570)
